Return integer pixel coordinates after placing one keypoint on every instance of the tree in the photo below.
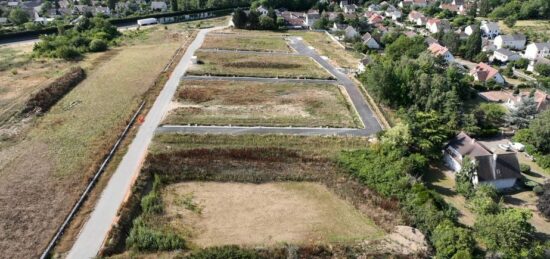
(253, 20)
(524, 113)
(463, 179)
(473, 44)
(508, 232)
(267, 23)
(428, 131)
(484, 8)
(18, 16)
(111, 4)
(448, 240)
(473, 10)
(239, 18)
(451, 40)
(484, 200)
(510, 21)
(543, 203)
(540, 129)
(543, 69)
(321, 24)
(174, 5)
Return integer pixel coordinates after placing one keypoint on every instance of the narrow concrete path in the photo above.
(95, 230)
(366, 115)
(260, 79)
(230, 130)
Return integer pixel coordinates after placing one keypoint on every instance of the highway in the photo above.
(94, 232)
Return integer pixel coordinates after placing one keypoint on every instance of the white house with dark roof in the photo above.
(349, 9)
(489, 29)
(505, 55)
(311, 17)
(498, 169)
(512, 41)
(537, 50)
(262, 10)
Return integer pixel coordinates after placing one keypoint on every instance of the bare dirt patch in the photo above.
(266, 214)
(255, 65)
(265, 104)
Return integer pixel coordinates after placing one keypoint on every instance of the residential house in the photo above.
(534, 63)
(374, 8)
(512, 102)
(489, 29)
(3, 20)
(469, 30)
(262, 10)
(81, 9)
(487, 45)
(102, 10)
(498, 169)
(381, 28)
(159, 6)
(537, 50)
(505, 55)
(361, 67)
(410, 34)
(394, 15)
(440, 51)
(438, 25)
(349, 9)
(483, 73)
(369, 41)
(344, 3)
(514, 41)
(311, 17)
(350, 32)
(375, 19)
(293, 20)
(339, 27)
(417, 18)
(413, 3)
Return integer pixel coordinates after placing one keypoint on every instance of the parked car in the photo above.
(517, 146)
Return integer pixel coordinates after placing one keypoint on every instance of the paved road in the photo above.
(266, 53)
(95, 230)
(263, 130)
(358, 100)
(260, 79)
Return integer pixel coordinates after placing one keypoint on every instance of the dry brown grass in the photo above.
(247, 64)
(255, 103)
(266, 214)
(244, 41)
(41, 177)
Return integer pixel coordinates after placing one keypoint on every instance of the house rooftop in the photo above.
(437, 49)
(484, 71)
(506, 52)
(467, 146)
(513, 37)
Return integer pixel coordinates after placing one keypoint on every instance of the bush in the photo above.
(67, 53)
(543, 203)
(224, 252)
(98, 45)
(524, 168)
(143, 238)
(538, 190)
(47, 97)
(152, 203)
(450, 240)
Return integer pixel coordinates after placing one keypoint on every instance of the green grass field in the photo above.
(264, 104)
(245, 64)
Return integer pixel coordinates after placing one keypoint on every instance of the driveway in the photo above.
(95, 230)
(357, 99)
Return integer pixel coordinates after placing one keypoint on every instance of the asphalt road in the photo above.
(227, 130)
(358, 100)
(95, 230)
(260, 79)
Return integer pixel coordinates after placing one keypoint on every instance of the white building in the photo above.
(413, 3)
(311, 18)
(394, 15)
(469, 30)
(489, 29)
(437, 25)
(369, 41)
(505, 55)
(500, 170)
(159, 6)
(514, 41)
(417, 18)
(537, 50)
(349, 9)
(262, 10)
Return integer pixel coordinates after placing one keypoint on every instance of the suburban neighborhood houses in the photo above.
(275, 129)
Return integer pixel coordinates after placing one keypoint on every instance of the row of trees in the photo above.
(254, 21)
(522, 9)
(87, 35)
(536, 136)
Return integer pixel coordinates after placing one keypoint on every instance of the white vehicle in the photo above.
(504, 147)
(517, 146)
(147, 21)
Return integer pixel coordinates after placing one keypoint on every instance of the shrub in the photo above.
(524, 168)
(49, 96)
(538, 190)
(143, 238)
(67, 53)
(449, 240)
(224, 252)
(152, 203)
(543, 203)
(98, 45)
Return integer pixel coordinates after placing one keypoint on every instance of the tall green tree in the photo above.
(450, 240)
(524, 113)
(540, 128)
(484, 8)
(111, 4)
(473, 44)
(18, 16)
(239, 18)
(174, 5)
